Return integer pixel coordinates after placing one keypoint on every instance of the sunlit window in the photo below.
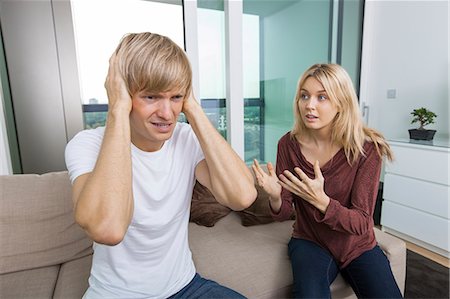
(99, 25)
(212, 64)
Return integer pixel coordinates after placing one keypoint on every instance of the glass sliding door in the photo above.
(288, 36)
(211, 52)
(351, 24)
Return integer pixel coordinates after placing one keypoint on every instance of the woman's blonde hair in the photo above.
(347, 128)
(152, 62)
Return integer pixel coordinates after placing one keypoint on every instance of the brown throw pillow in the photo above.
(205, 210)
(258, 212)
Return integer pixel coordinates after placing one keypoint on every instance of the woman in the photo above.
(328, 169)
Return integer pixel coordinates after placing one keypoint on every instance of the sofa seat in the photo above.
(253, 260)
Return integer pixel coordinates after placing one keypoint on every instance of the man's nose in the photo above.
(164, 109)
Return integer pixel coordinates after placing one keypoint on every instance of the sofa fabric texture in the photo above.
(45, 254)
(39, 237)
(205, 210)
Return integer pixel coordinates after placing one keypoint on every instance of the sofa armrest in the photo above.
(395, 250)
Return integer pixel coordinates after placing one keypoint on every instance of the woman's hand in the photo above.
(118, 96)
(269, 182)
(311, 190)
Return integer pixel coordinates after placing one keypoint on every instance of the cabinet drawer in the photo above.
(425, 163)
(427, 197)
(425, 227)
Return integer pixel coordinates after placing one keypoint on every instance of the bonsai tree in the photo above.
(423, 116)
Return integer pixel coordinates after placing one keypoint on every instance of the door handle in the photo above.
(365, 112)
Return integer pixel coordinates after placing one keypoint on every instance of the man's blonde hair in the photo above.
(152, 62)
(347, 128)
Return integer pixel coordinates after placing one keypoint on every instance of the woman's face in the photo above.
(317, 111)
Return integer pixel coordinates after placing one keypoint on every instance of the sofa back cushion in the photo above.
(37, 226)
(205, 209)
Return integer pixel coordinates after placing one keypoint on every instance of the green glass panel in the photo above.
(292, 36)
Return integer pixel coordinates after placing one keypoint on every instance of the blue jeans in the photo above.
(200, 287)
(314, 269)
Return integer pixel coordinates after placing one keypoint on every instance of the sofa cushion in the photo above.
(33, 283)
(250, 260)
(37, 226)
(73, 278)
(258, 212)
(205, 210)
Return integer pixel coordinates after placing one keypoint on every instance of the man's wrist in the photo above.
(119, 109)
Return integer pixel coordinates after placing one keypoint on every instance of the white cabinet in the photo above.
(416, 194)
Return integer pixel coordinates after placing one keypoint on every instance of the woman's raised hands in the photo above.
(267, 181)
(310, 190)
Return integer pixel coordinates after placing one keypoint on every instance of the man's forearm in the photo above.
(105, 205)
(231, 180)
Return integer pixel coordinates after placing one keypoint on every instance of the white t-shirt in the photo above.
(154, 259)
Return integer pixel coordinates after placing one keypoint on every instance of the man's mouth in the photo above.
(162, 125)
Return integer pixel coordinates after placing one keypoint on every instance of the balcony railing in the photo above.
(215, 109)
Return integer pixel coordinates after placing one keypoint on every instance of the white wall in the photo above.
(43, 80)
(405, 47)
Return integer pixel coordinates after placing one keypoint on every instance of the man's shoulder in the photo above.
(90, 133)
(183, 127)
(88, 136)
(99, 131)
(183, 131)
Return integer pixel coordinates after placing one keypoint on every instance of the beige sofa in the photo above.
(44, 254)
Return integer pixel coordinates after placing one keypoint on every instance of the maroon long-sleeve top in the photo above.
(346, 228)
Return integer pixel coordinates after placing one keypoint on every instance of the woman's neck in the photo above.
(318, 147)
(316, 139)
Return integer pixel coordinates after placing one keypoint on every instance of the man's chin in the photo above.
(152, 140)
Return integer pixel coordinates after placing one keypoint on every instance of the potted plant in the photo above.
(424, 117)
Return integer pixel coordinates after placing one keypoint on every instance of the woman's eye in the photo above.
(304, 96)
(322, 98)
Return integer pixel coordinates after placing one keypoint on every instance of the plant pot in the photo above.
(418, 134)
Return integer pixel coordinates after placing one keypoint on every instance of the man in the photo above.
(133, 179)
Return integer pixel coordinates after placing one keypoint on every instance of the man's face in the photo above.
(153, 118)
